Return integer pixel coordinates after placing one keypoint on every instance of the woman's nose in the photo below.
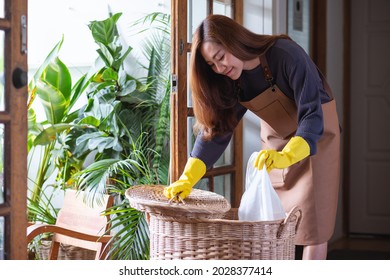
(220, 67)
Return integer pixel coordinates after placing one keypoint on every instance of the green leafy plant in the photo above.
(123, 128)
(52, 85)
(132, 135)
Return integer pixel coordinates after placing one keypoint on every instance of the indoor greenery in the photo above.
(118, 139)
(52, 86)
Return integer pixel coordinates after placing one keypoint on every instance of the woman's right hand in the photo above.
(193, 172)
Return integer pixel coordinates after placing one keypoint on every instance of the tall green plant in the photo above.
(156, 49)
(51, 86)
(131, 135)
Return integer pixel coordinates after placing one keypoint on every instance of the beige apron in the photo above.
(313, 183)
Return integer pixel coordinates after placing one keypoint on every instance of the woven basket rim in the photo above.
(150, 199)
(295, 213)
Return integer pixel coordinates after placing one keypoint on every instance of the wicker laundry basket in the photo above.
(207, 228)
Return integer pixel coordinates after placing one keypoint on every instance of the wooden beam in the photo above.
(179, 97)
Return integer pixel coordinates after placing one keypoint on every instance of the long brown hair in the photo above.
(214, 96)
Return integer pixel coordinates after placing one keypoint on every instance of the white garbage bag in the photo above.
(260, 202)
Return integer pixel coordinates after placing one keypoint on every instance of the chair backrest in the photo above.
(82, 218)
(77, 214)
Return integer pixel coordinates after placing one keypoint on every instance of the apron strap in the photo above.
(266, 70)
(269, 78)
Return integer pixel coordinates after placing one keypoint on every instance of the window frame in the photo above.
(180, 111)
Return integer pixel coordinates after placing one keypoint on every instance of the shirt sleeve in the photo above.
(307, 87)
(210, 151)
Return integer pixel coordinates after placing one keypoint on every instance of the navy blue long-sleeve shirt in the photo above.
(297, 77)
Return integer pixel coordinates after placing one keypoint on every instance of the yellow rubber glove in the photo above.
(295, 150)
(193, 172)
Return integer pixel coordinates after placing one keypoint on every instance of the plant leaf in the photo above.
(90, 120)
(105, 31)
(58, 75)
(109, 75)
(53, 53)
(78, 89)
(50, 134)
(53, 101)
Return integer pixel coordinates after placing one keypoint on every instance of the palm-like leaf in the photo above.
(131, 238)
(43, 211)
(157, 49)
(95, 177)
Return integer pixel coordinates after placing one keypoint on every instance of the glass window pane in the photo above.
(2, 93)
(2, 238)
(2, 9)
(222, 186)
(203, 184)
(190, 134)
(197, 11)
(222, 7)
(189, 94)
(1, 163)
(227, 157)
(299, 22)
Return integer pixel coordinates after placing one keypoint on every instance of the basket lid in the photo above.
(199, 204)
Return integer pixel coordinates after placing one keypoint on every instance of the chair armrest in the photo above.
(37, 229)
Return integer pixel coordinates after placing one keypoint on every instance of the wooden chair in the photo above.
(78, 224)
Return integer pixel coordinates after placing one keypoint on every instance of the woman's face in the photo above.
(221, 61)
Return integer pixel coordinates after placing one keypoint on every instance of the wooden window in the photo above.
(226, 175)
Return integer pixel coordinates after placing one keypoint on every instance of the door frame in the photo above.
(346, 135)
(14, 118)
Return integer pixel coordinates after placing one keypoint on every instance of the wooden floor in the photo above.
(360, 248)
(356, 248)
(369, 243)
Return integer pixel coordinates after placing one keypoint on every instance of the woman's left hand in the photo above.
(295, 150)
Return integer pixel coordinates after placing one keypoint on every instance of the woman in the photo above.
(233, 70)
